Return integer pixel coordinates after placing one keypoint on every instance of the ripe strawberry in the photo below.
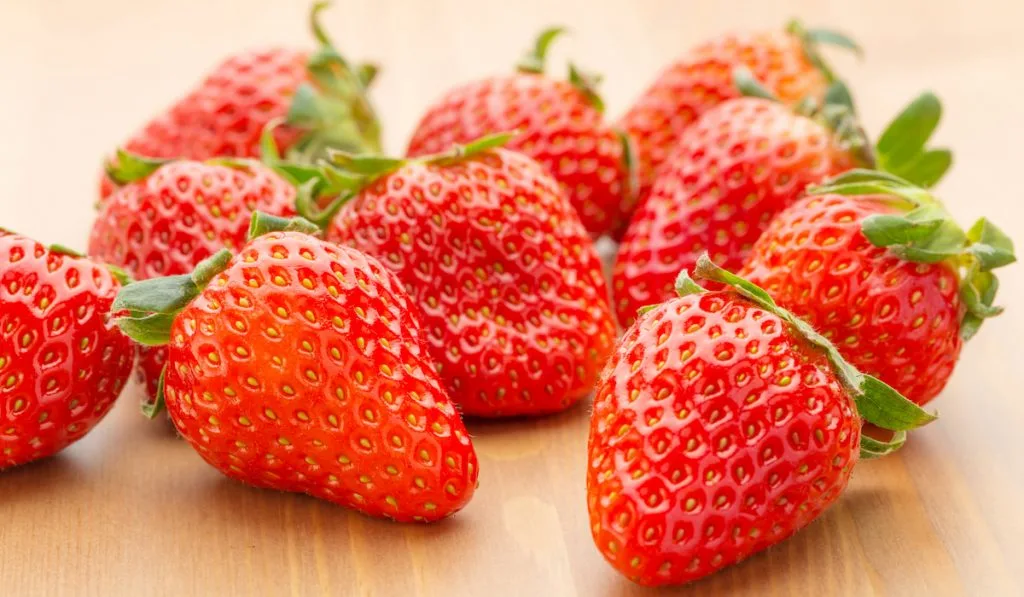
(320, 98)
(736, 168)
(722, 426)
(514, 301)
(62, 364)
(561, 127)
(300, 366)
(787, 61)
(169, 217)
(879, 267)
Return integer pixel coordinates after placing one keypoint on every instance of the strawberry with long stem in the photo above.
(878, 265)
(723, 425)
(300, 365)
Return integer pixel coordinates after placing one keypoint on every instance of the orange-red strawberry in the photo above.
(787, 61)
(300, 365)
(879, 267)
(62, 362)
(514, 302)
(736, 168)
(169, 217)
(561, 127)
(722, 426)
(320, 98)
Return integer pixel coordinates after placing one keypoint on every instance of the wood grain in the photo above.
(132, 511)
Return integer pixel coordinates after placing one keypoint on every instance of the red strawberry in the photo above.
(167, 218)
(514, 301)
(300, 366)
(62, 363)
(787, 61)
(735, 169)
(319, 97)
(879, 267)
(722, 426)
(561, 127)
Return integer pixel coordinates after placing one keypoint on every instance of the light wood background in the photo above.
(131, 511)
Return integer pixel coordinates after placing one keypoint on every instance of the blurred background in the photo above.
(80, 76)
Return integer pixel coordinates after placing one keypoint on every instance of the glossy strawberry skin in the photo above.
(181, 214)
(733, 170)
(62, 363)
(558, 127)
(302, 368)
(226, 113)
(715, 434)
(513, 297)
(896, 320)
(703, 78)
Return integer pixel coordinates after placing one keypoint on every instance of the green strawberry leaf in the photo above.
(129, 167)
(901, 147)
(533, 61)
(685, 285)
(264, 223)
(833, 38)
(152, 409)
(749, 86)
(990, 245)
(587, 84)
(871, 448)
(838, 94)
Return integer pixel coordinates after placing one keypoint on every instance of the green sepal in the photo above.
(364, 165)
(835, 38)
(534, 60)
(978, 292)
(128, 167)
(122, 277)
(118, 274)
(367, 73)
(926, 234)
(871, 448)
(646, 309)
(990, 245)
(145, 310)
(685, 285)
(838, 94)
(587, 84)
(901, 148)
(154, 408)
(630, 163)
(812, 39)
(749, 86)
(263, 223)
(876, 402)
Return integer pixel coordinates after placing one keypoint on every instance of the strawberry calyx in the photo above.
(145, 310)
(343, 175)
(58, 249)
(534, 60)
(923, 231)
(333, 111)
(812, 39)
(876, 401)
(126, 167)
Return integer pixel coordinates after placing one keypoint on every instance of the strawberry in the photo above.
(318, 96)
(514, 302)
(787, 61)
(737, 167)
(561, 127)
(62, 363)
(300, 366)
(878, 266)
(169, 216)
(722, 426)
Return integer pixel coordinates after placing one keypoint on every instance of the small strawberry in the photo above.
(722, 426)
(170, 216)
(741, 164)
(879, 267)
(561, 127)
(62, 363)
(787, 61)
(320, 98)
(514, 302)
(300, 366)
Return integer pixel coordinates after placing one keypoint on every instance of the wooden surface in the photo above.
(132, 511)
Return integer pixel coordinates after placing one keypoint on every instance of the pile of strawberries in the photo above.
(315, 317)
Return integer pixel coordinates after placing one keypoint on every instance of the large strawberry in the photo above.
(737, 167)
(514, 302)
(879, 267)
(300, 365)
(723, 425)
(170, 216)
(319, 97)
(787, 61)
(561, 127)
(62, 362)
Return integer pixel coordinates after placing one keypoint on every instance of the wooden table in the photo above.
(132, 511)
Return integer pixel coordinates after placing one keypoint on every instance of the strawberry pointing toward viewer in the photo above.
(723, 425)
